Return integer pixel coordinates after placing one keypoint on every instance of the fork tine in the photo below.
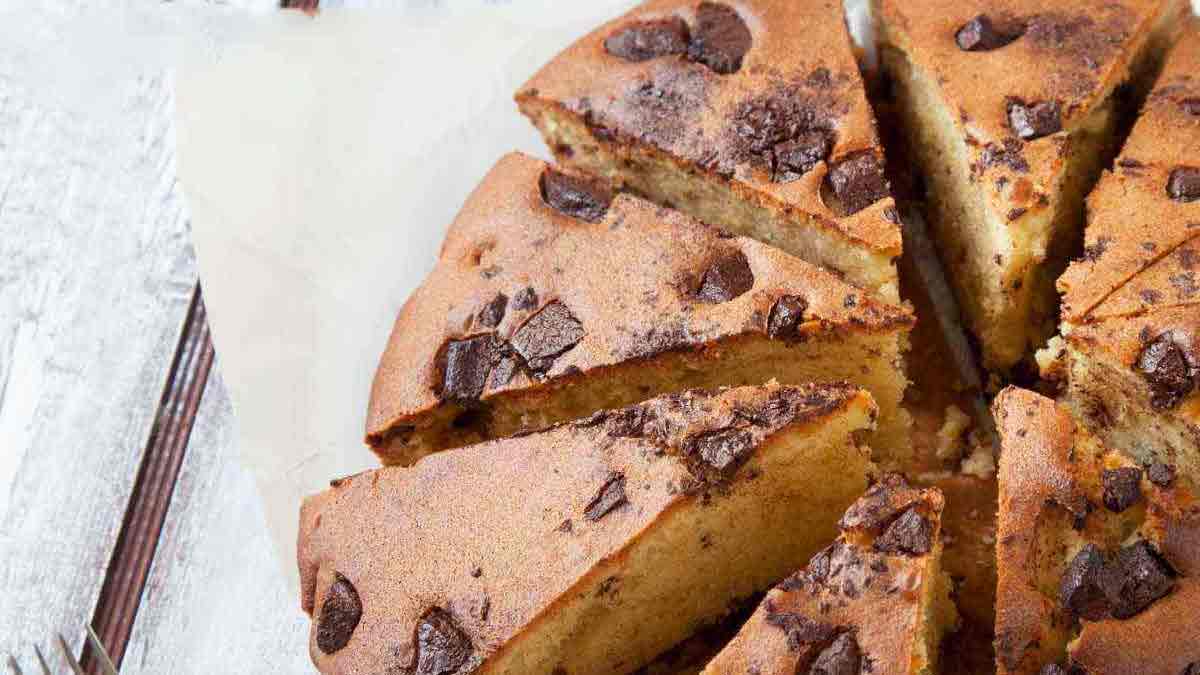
(42, 661)
(12, 665)
(69, 656)
(106, 664)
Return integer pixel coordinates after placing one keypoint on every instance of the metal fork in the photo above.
(106, 664)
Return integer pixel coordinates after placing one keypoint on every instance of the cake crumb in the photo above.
(1052, 359)
(954, 424)
(981, 463)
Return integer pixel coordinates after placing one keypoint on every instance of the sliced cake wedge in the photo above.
(589, 547)
(1098, 555)
(747, 115)
(553, 299)
(875, 601)
(1131, 305)
(1013, 109)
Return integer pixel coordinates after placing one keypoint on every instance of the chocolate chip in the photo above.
(721, 39)
(1080, 591)
(583, 197)
(981, 34)
(1190, 106)
(441, 646)
(465, 367)
(645, 40)
(1122, 488)
(1135, 579)
(723, 450)
(340, 614)
(856, 181)
(526, 298)
(910, 534)
(610, 495)
(547, 335)
(1030, 121)
(786, 317)
(1165, 367)
(1161, 474)
(843, 657)
(794, 158)
(1184, 184)
(491, 314)
(726, 279)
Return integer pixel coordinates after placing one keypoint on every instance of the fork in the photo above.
(106, 664)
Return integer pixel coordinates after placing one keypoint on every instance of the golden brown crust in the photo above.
(695, 113)
(1143, 247)
(851, 587)
(499, 533)
(1055, 500)
(634, 282)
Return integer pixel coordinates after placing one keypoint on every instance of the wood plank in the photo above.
(215, 601)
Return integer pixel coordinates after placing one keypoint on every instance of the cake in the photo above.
(553, 299)
(1012, 109)
(588, 547)
(875, 601)
(1098, 555)
(1131, 305)
(747, 115)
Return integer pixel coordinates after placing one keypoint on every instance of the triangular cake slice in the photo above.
(553, 299)
(1013, 109)
(589, 547)
(876, 601)
(747, 115)
(1098, 555)
(1131, 306)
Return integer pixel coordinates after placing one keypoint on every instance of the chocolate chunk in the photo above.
(583, 197)
(1080, 592)
(843, 657)
(723, 450)
(629, 422)
(786, 317)
(726, 279)
(1192, 668)
(491, 314)
(340, 614)
(857, 181)
(465, 367)
(981, 34)
(610, 495)
(800, 629)
(720, 39)
(792, 159)
(1161, 474)
(1122, 488)
(645, 40)
(547, 335)
(441, 646)
(504, 371)
(1191, 106)
(910, 534)
(1135, 579)
(526, 298)
(1030, 121)
(1184, 184)
(880, 505)
(1165, 367)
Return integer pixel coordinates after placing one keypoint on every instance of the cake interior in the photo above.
(939, 615)
(871, 360)
(1004, 272)
(661, 178)
(781, 507)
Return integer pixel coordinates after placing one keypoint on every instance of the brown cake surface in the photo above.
(589, 547)
(1131, 305)
(1097, 555)
(749, 115)
(874, 601)
(552, 299)
(1014, 108)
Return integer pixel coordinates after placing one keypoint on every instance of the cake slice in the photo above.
(1131, 306)
(1013, 109)
(553, 299)
(876, 601)
(589, 547)
(746, 115)
(1098, 555)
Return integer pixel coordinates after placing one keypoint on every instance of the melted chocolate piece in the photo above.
(610, 495)
(582, 197)
(491, 314)
(645, 40)
(1190, 106)
(856, 181)
(1135, 579)
(442, 648)
(1031, 121)
(800, 629)
(786, 317)
(340, 614)
(1165, 367)
(547, 335)
(1162, 475)
(723, 449)
(1122, 488)
(1184, 184)
(794, 158)
(1080, 592)
(981, 34)
(720, 39)
(910, 534)
(526, 298)
(726, 279)
(843, 657)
